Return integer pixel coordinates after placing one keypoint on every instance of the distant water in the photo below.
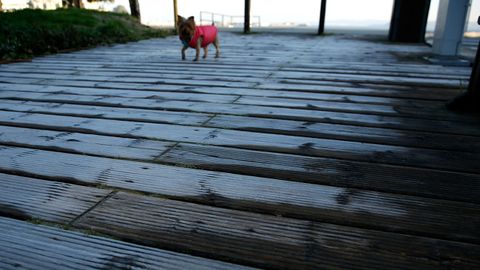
(470, 27)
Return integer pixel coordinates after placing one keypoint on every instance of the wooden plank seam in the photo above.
(105, 198)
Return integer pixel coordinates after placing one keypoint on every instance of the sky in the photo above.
(358, 12)
(270, 11)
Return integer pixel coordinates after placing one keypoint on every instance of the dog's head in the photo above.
(186, 28)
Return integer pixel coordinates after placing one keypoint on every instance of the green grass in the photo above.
(26, 33)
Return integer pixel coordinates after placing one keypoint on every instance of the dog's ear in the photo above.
(180, 19)
(191, 18)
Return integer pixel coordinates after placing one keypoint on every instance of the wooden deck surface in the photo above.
(289, 152)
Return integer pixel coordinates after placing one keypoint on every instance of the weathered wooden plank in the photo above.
(29, 246)
(17, 80)
(180, 80)
(319, 115)
(59, 61)
(370, 176)
(155, 101)
(400, 70)
(138, 115)
(304, 73)
(369, 152)
(369, 66)
(288, 127)
(349, 133)
(338, 66)
(347, 206)
(333, 88)
(367, 90)
(128, 77)
(205, 72)
(268, 241)
(146, 91)
(255, 59)
(453, 82)
(434, 111)
(141, 71)
(147, 101)
(352, 151)
(380, 52)
(351, 81)
(67, 141)
(29, 198)
(343, 173)
(376, 82)
(316, 114)
(411, 67)
(424, 93)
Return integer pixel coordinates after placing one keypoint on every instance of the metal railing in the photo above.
(229, 21)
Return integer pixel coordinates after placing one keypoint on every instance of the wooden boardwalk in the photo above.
(288, 152)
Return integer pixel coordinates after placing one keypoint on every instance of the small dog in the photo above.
(197, 37)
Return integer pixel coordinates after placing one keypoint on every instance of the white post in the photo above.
(450, 27)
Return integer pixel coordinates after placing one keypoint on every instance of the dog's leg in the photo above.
(183, 52)
(197, 48)
(205, 52)
(216, 43)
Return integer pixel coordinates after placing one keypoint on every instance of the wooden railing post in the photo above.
(246, 26)
(321, 24)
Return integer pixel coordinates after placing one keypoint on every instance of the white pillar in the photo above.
(450, 27)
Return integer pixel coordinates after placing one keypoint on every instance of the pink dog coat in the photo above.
(208, 32)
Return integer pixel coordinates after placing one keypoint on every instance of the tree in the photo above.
(73, 3)
(134, 6)
(90, 1)
(1, 5)
(135, 9)
(79, 4)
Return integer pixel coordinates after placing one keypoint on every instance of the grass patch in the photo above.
(27, 33)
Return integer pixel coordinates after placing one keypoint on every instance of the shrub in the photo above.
(28, 32)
